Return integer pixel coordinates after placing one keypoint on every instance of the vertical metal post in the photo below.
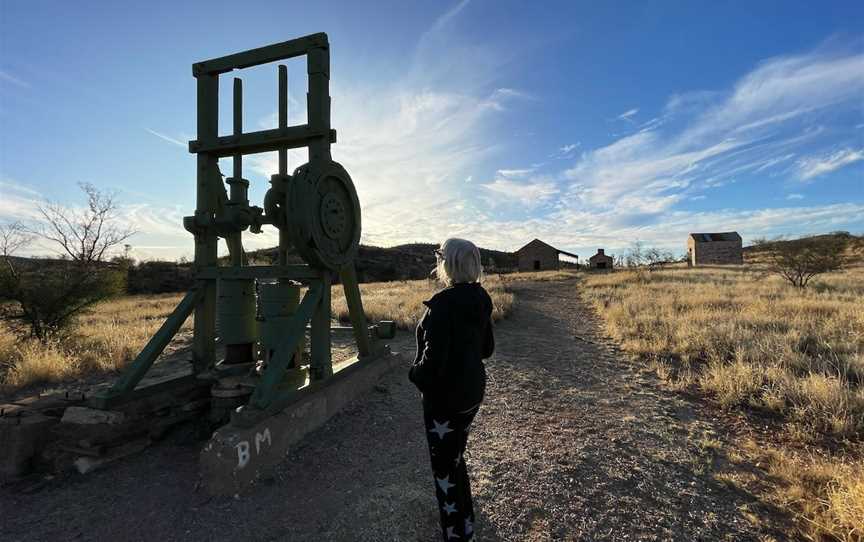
(283, 154)
(321, 364)
(318, 113)
(283, 115)
(203, 346)
(238, 124)
(318, 101)
(235, 240)
(348, 276)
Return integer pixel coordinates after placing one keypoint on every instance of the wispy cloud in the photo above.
(9, 78)
(412, 146)
(814, 166)
(795, 196)
(529, 194)
(636, 186)
(169, 139)
(19, 202)
(753, 128)
(628, 115)
(515, 173)
(441, 22)
(566, 151)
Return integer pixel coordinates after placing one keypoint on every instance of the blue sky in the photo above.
(586, 124)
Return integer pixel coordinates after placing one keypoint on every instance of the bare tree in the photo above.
(85, 235)
(650, 258)
(47, 294)
(657, 259)
(799, 260)
(635, 256)
(13, 236)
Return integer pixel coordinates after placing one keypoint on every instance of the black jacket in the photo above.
(453, 337)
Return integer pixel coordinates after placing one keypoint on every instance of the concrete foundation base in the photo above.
(236, 457)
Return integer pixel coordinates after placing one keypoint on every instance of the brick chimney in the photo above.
(600, 252)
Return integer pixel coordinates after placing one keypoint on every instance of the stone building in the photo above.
(714, 249)
(539, 256)
(600, 260)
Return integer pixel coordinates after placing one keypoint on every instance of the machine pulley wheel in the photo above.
(324, 214)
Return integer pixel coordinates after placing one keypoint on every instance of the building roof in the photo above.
(536, 242)
(709, 237)
(599, 256)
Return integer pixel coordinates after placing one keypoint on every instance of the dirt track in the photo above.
(572, 443)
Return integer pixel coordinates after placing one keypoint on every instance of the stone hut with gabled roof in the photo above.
(714, 249)
(540, 256)
(600, 260)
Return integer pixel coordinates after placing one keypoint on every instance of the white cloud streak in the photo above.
(628, 115)
(815, 166)
(9, 78)
(528, 194)
(169, 139)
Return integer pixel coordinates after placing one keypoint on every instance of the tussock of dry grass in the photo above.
(402, 301)
(751, 340)
(105, 338)
(826, 493)
(754, 341)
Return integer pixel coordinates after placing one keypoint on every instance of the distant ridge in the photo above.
(854, 245)
(402, 262)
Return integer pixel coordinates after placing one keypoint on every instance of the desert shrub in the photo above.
(46, 296)
(106, 337)
(799, 260)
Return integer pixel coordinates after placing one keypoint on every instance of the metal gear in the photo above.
(324, 214)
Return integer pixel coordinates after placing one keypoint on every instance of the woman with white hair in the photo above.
(453, 338)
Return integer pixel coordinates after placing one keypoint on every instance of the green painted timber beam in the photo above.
(320, 355)
(266, 389)
(261, 55)
(209, 187)
(136, 370)
(348, 276)
(291, 137)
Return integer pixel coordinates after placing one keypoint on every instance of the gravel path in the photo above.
(573, 443)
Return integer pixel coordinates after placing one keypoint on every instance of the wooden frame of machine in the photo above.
(315, 209)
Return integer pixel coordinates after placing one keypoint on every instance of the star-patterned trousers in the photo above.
(447, 434)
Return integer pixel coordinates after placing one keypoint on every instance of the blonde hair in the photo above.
(459, 262)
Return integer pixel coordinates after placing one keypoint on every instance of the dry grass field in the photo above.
(105, 338)
(402, 301)
(753, 342)
(112, 333)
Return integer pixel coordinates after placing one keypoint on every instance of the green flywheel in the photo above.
(324, 214)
